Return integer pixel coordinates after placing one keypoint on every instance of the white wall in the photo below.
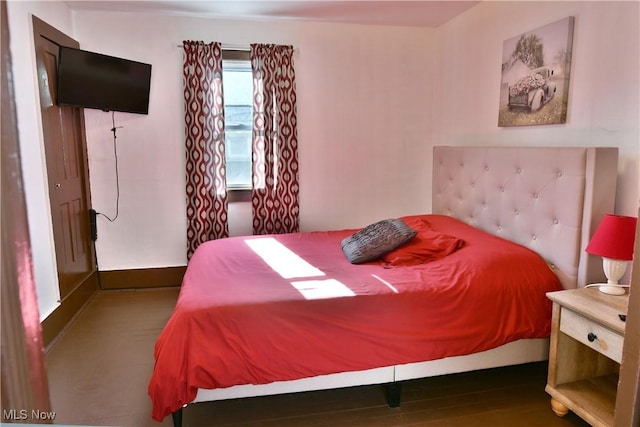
(364, 113)
(31, 140)
(604, 96)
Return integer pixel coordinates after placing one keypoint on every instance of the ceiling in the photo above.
(402, 13)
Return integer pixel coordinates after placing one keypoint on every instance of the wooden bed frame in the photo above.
(548, 199)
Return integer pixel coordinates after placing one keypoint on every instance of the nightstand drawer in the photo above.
(592, 334)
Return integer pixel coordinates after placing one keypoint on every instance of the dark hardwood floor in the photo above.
(99, 370)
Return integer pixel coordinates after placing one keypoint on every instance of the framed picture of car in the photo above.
(536, 66)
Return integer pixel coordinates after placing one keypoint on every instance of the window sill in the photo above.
(238, 195)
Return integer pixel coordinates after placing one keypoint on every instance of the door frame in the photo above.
(24, 377)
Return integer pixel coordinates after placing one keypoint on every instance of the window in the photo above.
(237, 84)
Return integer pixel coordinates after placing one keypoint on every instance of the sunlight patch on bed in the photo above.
(289, 265)
(323, 289)
(281, 259)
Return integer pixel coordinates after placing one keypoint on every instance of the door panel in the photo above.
(67, 168)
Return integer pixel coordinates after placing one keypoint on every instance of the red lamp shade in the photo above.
(614, 238)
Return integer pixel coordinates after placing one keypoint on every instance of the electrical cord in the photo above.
(115, 153)
(95, 213)
(95, 256)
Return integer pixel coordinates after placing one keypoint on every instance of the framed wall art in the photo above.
(536, 66)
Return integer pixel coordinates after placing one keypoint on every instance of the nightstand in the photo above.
(585, 353)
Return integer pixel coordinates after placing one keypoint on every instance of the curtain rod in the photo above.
(229, 47)
(236, 47)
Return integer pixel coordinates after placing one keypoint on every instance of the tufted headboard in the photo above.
(548, 199)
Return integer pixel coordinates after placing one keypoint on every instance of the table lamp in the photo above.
(613, 241)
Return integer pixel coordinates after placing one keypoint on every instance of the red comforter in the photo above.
(254, 310)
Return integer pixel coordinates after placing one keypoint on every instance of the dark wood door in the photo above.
(67, 167)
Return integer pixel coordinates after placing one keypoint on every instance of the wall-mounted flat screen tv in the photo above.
(92, 80)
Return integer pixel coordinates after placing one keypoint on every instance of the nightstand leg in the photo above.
(558, 408)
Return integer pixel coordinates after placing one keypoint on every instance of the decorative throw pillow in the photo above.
(376, 239)
(429, 245)
(416, 222)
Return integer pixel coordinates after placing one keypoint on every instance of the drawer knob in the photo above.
(592, 337)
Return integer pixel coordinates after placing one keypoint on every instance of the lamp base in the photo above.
(611, 289)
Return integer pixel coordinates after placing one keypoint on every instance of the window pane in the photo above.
(238, 113)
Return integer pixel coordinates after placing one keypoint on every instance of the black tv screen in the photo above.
(92, 80)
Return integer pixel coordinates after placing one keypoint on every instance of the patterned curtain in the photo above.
(204, 140)
(274, 197)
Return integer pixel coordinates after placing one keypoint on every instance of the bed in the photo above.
(262, 315)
